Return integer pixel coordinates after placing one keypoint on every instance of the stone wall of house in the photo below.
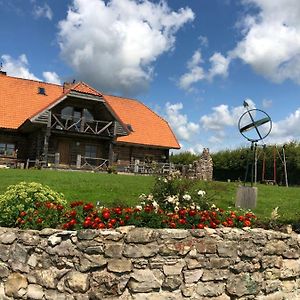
(139, 263)
(204, 166)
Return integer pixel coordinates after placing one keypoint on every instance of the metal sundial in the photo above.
(254, 124)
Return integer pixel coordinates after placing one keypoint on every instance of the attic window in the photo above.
(41, 91)
(129, 127)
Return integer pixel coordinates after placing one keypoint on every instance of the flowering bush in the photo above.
(173, 191)
(82, 215)
(26, 198)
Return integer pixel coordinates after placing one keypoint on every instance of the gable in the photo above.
(20, 101)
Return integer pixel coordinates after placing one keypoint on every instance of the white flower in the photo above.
(201, 193)
(150, 197)
(176, 208)
(213, 206)
(165, 180)
(155, 204)
(139, 207)
(198, 207)
(187, 197)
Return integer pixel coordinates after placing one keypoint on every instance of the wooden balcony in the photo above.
(81, 125)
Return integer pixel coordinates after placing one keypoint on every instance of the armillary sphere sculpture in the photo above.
(254, 125)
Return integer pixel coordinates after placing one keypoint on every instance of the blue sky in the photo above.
(194, 62)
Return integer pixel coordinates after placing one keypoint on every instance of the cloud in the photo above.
(267, 103)
(17, 67)
(184, 129)
(20, 68)
(222, 118)
(42, 11)
(286, 130)
(196, 73)
(271, 39)
(51, 77)
(203, 40)
(113, 44)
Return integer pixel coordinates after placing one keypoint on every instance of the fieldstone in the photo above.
(35, 291)
(275, 247)
(198, 233)
(54, 295)
(244, 284)
(29, 238)
(206, 246)
(54, 240)
(14, 285)
(4, 270)
(188, 290)
(90, 247)
(271, 286)
(48, 231)
(87, 234)
(219, 262)
(191, 276)
(19, 253)
(171, 283)
(113, 250)
(163, 295)
(32, 260)
(172, 247)
(4, 252)
(215, 275)
(289, 286)
(272, 274)
(7, 238)
(119, 265)
(227, 249)
(290, 268)
(177, 234)
(49, 278)
(143, 281)
(210, 290)
(197, 263)
(141, 235)
(77, 282)
(245, 267)
(291, 253)
(275, 296)
(271, 261)
(2, 293)
(174, 269)
(108, 234)
(89, 262)
(65, 248)
(142, 250)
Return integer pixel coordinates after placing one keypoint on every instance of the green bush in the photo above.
(25, 197)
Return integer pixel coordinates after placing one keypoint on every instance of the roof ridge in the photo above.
(34, 80)
(86, 85)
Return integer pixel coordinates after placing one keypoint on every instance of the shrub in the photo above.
(25, 198)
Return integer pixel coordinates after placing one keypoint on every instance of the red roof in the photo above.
(20, 100)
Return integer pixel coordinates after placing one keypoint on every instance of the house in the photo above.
(74, 125)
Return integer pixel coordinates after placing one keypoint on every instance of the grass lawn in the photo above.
(111, 189)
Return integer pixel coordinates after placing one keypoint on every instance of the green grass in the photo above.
(111, 189)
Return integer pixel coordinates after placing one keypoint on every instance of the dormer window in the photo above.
(41, 91)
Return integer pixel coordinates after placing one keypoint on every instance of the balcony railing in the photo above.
(81, 125)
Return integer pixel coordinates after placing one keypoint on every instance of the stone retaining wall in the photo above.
(138, 263)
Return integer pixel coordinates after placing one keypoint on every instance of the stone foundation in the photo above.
(139, 263)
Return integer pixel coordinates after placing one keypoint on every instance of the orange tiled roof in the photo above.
(20, 100)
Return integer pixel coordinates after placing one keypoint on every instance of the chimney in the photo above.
(68, 85)
(2, 73)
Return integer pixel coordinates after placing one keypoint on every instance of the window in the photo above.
(76, 114)
(7, 149)
(67, 112)
(91, 151)
(41, 91)
(87, 115)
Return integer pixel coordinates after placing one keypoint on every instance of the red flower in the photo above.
(39, 220)
(73, 213)
(192, 213)
(200, 226)
(247, 223)
(106, 214)
(172, 225)
(23, 213)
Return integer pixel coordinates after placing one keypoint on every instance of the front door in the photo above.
(64, 152)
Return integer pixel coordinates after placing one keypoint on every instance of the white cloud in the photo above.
(203, 40)
(184, 129)
(113, 44)
(196, 73)
(286, 130)
(267, 103)
(20, 68)
(271, 43)
(51, 77)
(221, 118)
(42, 11)
(17, 67)
(219, 66)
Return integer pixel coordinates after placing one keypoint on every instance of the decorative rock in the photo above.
(65, 248)
(192, 276)
(4, 270)
(4, 252)
(143, 281)
(171, 283)
(141, 235)
(35, 291)
(206, 246)
(208, 290)
(215, 275)
(174, 269)
(113, 250)
(136, 251)
(119, 265)
(15, 282)
(48, 278)
(244, 284)
(275, 247)
(177, 234)
(87, 234)
(8, 238)
(77, 282)
(89, 262)
(227, 249)
(290, 268)
(54, 240)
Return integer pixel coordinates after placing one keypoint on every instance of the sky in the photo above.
(193, 62)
